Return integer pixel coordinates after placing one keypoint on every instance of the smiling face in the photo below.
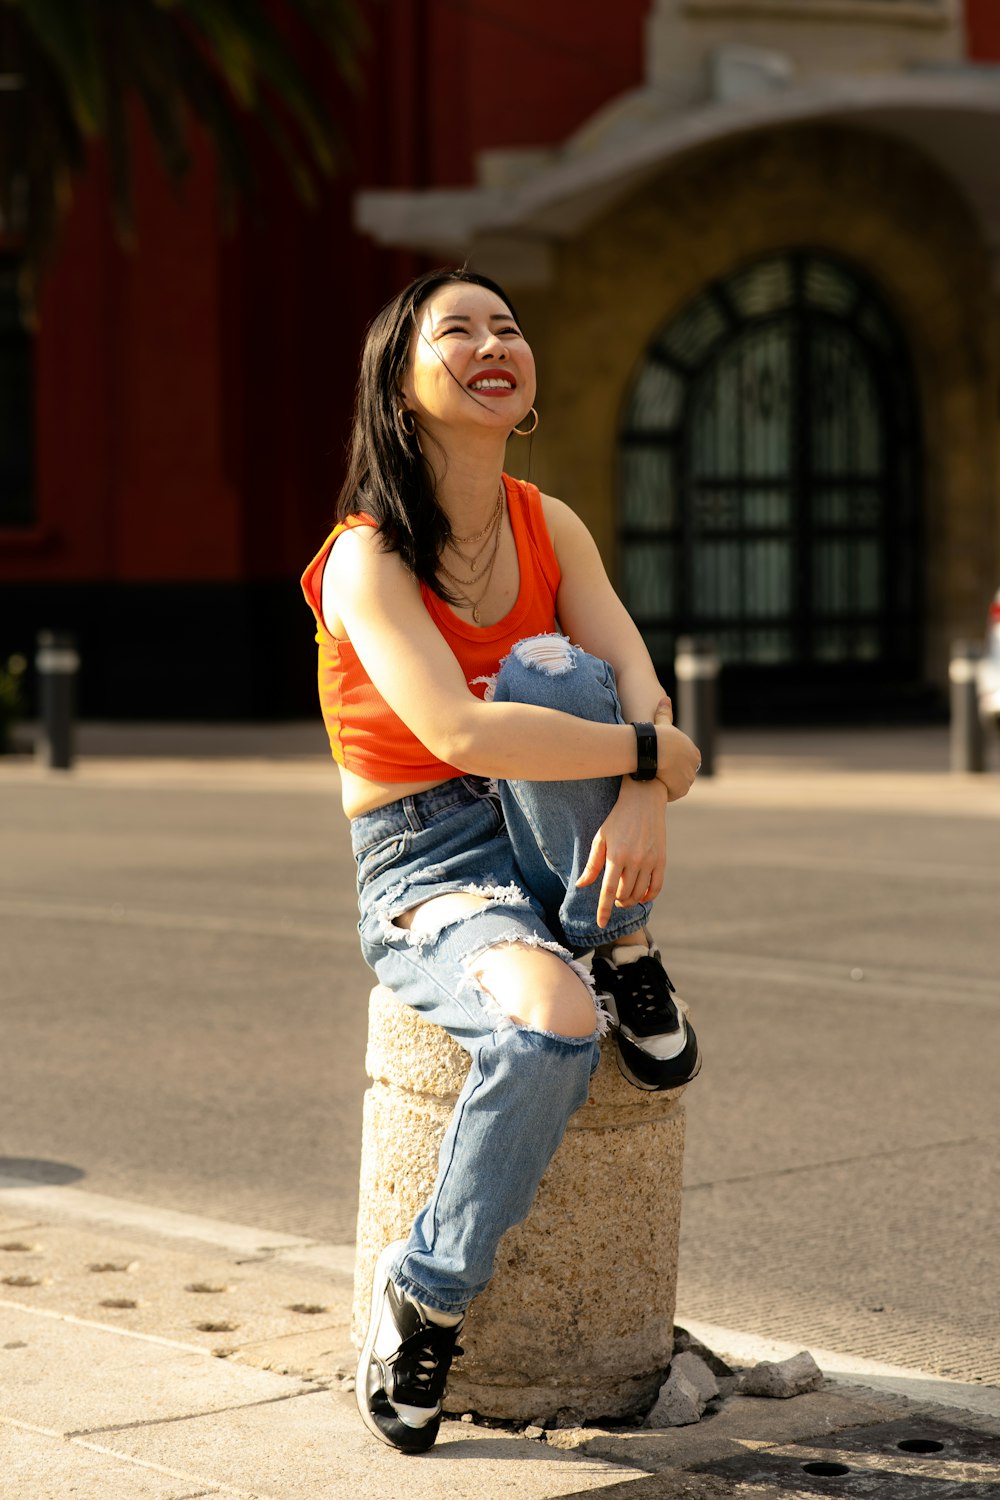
(470, 365)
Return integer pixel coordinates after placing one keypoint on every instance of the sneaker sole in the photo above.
(655, 1088)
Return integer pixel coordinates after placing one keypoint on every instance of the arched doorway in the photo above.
(770, 491)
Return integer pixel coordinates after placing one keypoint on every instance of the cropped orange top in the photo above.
(366, 735)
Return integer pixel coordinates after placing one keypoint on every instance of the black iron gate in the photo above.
(769, 491)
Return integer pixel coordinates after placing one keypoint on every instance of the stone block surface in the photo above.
(578, 1319)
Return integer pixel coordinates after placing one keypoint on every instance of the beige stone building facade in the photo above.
(762, 290)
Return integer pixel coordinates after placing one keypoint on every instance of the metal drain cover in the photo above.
(908, 1460)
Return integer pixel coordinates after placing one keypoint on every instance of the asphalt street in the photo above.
(184, 1011)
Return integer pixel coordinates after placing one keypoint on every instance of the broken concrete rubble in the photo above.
(694, 1368)
(678, 1403)
(788, 1377)
(697, 1377)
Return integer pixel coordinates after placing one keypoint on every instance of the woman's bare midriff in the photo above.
(361, 795)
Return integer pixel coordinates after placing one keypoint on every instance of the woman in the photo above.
(506, 777)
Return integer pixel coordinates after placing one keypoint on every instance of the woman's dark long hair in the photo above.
(386, 473)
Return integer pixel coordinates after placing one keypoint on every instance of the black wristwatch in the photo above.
(646, 746)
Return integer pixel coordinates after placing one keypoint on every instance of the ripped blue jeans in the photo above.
(521, 845)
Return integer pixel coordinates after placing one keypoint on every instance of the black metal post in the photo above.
(57, 664)
(696, 666)
(967, 738)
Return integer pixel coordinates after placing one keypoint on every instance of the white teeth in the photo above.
(492, 385)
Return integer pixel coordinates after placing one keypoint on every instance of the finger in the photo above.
(595, 860)
(635, 891)
(650, 894)
(606, 900)
(664, 710)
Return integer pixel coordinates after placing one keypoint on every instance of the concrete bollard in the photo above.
(57, 663)
(578, 1319)
(696, 667)
(967, 737)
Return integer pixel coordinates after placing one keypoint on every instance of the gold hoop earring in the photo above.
(527, 431)
(401, 416)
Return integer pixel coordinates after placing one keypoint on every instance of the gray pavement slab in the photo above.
(134, 1404)
(84, 1378)
(199, 1297)
(316, 1446)
(44, 1464)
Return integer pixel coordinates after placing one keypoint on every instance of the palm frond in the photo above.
(66, 33)
(75, 63)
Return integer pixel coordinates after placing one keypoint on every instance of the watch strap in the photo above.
(646, 752)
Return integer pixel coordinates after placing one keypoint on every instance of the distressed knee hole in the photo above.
(440, 911)
(538, 987)
(425, 920)
(552, 654)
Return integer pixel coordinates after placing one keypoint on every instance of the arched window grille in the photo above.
(769, 481)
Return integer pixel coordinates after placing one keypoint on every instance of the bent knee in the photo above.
(537, 989)
(549, 671)
(569, 1018)
(551, 654)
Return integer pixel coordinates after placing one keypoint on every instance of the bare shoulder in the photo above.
(359, 560)
(358, 571)
(569, 534)
(560, 519)
(355, 546)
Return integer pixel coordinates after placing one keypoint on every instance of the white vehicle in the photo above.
(988, 676)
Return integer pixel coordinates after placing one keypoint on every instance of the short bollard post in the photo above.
(967, 738)
(578, 1319)
(57, 663)
(696, 667)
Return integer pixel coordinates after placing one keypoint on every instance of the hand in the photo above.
(630, 847)
(678, 758)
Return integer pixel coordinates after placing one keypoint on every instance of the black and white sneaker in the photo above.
(656, 1044)
(403, 1366)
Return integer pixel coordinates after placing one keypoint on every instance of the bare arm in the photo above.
(592, 615)
(630, 847)
(409, 662)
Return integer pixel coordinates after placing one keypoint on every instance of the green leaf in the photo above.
(225, 60)
(270, 59)
(65, 31)
(229, 44)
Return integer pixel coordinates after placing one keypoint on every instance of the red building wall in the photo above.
(982, 29)
(193, 395)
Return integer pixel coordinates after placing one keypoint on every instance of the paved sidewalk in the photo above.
(150, 1354)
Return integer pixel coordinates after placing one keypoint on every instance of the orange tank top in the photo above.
(366, 735)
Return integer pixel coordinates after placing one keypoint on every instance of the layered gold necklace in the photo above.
(482, 572)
